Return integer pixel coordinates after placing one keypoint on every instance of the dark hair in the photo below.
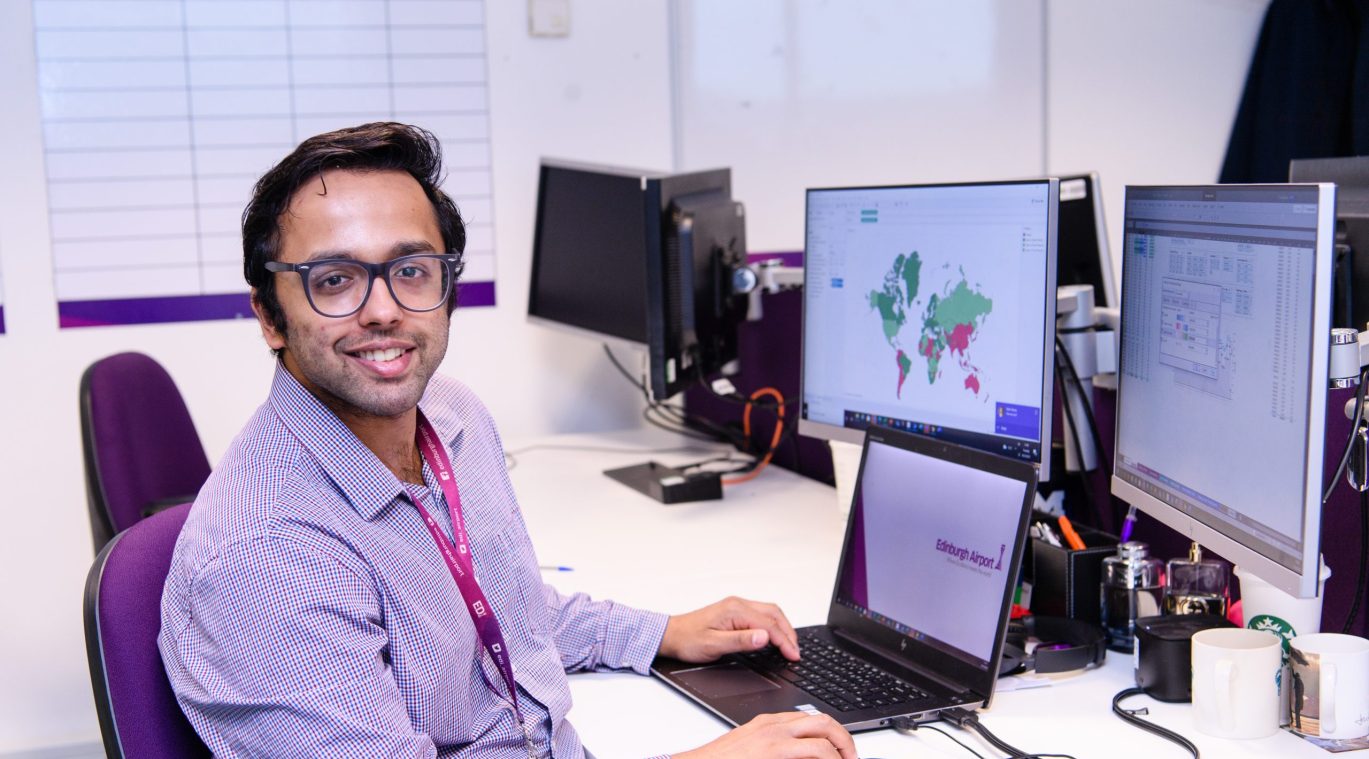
(379, 146)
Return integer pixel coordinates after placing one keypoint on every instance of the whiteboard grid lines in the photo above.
(158, 118)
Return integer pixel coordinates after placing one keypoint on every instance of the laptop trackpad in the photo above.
(724, 681)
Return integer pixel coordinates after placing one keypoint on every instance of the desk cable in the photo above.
(908, 727)
(1064, 370)
(1355, 423)
(673, 418)
(1130, 715)
(968, 720)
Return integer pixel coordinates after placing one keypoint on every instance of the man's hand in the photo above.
(793, 735)
(728, 626)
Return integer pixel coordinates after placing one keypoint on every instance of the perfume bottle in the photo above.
(1132, 587)
(1196, 585)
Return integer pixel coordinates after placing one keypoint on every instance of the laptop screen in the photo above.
(930, 549)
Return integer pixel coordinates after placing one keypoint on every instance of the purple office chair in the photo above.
(139, 716)
(141, 449)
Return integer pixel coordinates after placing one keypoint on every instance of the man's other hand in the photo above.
(792, 735)
(728, 626)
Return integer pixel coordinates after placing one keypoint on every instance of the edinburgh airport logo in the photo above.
(972, 557)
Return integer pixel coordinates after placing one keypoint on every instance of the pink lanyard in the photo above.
(458, 558)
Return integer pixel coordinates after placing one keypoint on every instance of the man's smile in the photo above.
(386, 360)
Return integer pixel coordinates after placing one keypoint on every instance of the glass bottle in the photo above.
(1132, 587)
(1195, 585)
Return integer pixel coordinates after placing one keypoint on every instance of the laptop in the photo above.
(921, 602)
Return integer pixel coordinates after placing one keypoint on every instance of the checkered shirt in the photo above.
(308, 611)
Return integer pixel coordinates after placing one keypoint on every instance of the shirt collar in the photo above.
(355, 471)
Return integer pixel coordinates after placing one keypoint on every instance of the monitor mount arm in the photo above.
(768, 276)
(1088, 333)
(1349, 357)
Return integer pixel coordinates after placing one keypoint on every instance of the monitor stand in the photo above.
(669, 484)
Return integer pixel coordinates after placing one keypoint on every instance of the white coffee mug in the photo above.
(1329, 692)
(1236, 682)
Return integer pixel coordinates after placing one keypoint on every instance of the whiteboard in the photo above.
(158, 116)
(794, 94)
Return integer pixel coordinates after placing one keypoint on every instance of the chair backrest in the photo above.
(139, 716)
(141, 448)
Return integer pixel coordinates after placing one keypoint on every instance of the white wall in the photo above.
(794, 95)
(1139, 92)
(1145, 93)
(599, 95)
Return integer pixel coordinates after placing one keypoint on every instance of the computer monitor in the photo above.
(645, 258)
(1221, 404)
(931, 308)
(1351, 298)
(589, 262)
(696, 239)
(1084, 257)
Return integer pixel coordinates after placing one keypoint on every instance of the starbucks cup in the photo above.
(1268, 608)
(1265, 607)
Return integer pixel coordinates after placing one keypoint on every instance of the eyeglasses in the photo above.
(340, 287)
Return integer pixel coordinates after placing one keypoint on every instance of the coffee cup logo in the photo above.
(1276, 625)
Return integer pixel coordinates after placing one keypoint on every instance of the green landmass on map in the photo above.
(898, 290)
(949, 321)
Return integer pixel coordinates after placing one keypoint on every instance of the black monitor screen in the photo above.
(1084, 258)
(589, 261)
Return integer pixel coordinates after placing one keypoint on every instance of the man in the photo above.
(355, 579)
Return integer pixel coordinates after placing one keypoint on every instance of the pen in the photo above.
(1071, 537)
(555, 568)
(1128, 524)
(1045, 532)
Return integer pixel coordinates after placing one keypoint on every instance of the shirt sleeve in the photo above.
(602, 635)
(283, 655)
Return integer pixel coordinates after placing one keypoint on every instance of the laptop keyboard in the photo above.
(834, 676)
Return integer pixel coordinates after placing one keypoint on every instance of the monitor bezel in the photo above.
(832, 432)
(1302, 583)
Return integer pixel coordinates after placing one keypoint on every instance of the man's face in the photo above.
(376, 362)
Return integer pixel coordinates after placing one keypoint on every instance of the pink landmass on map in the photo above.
(903, 364)
(959, 338)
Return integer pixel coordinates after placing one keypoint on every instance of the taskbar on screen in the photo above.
(914, 634)
(1233, 523)
(1009, 447)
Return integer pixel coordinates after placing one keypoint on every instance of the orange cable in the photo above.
(746, 430)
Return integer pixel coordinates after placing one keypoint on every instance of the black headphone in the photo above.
(1066, 644)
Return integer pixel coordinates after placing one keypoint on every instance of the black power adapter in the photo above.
(670, 484)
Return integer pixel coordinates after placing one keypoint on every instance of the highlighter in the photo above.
(1071, 537)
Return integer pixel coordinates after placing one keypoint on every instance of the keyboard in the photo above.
(834, 676)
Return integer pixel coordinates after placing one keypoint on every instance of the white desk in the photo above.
(776, 538)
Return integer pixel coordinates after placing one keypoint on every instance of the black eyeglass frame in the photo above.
(450, 261)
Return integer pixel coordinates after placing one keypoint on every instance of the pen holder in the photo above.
(1065, 582)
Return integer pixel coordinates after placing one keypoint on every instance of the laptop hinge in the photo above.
(950, 685)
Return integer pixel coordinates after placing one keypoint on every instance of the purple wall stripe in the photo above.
(191, 308)
(180, 308)
(2, 320)
(474, 294)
